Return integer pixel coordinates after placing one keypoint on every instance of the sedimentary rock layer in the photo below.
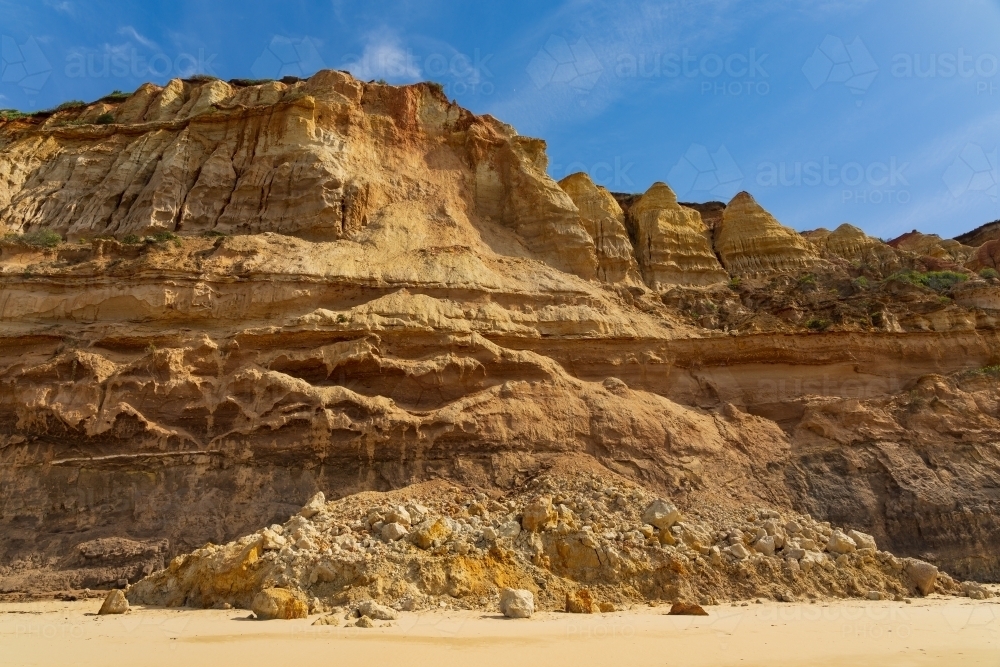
(750, 241)
(232, 297)
(672, 243)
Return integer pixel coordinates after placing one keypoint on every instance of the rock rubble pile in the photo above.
(580, 540)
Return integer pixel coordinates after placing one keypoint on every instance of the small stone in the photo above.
(364, 622)
(765, 545)
(329, 619)
(430, 533)
(738, 550)
(393, 531)
(686, 609)
(840, 543)
(862, 540)
(517, 603)
(661, 514)
(539, 515)
(313, 507)
(278, 603)
(376, 611)
(397, 515)
(510, 529)
(114, 603)
(715, 556)
(795, 553)
(272, 541)
(607, 607)
(874, 595)
(580, 602)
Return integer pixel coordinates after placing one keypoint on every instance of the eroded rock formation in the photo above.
(233, 296)
(672, 243)
(751, 242)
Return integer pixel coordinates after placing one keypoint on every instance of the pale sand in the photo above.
(926, 632)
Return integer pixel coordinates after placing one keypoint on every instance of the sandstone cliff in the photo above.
(672, 244)
(851, 244)
(932, 245)
(605, 222)
(751, 242)
(228, 297)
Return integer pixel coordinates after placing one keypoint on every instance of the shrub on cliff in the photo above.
(43, 238)
(939, 281)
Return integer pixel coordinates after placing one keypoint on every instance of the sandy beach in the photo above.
(952, 631)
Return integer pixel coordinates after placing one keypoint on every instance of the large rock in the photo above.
(517, 603)
(932, 245)
(377, 611)
(393, 531)
(278, 603)
(329, 619)
(661, 514)
(114, 603)
(922, 574)
(764, 545)
(852, 244)
(314, 506)
(681, 608)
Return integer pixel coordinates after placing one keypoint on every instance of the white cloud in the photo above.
(385, 58)
(64, 7)
(129, 31)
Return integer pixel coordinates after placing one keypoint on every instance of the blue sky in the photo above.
(882, 113)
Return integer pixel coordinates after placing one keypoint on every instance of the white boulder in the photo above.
(517, 603)
(661, 514)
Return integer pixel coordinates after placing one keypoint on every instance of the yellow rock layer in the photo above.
(750, 241)
(850, 243)
(671, 242)
(605, 222)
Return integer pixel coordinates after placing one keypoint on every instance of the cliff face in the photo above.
(605, 222)
(672, 243)
(231, 297)
(751, 242)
